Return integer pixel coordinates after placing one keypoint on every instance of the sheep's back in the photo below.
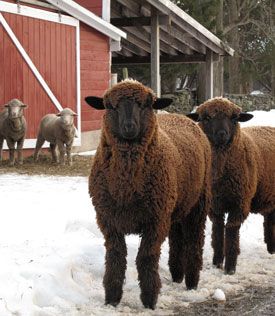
(264, 139)
(193, 159)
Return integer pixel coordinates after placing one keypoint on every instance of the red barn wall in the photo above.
(95, 66)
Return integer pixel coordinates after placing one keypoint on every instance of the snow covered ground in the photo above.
(52, 254)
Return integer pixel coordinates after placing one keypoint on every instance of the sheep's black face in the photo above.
(220, 130)
(127, 119)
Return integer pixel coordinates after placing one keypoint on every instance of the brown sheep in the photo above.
(243, 172)
(150, 177)
(13, 128)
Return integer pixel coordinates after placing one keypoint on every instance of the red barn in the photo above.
(51, 58)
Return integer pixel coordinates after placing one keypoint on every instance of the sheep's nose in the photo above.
(129, 127)
(221, 134)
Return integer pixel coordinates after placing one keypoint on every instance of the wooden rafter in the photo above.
(180, 59)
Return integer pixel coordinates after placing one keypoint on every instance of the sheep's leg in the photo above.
(193, 241)
(39, 143)
(218, 239)
(53, 152)
(232, 243)
(1, 148)
(115, 267)
(147, 262)
(269, 232)
(11, 146)
(68, 152)
(61, 148)
(20, 151)
(176, 259)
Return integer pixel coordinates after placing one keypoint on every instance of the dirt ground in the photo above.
(81, 167)
(254, 301)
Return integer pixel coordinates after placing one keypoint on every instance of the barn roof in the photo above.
(89, 18)
(182, 38)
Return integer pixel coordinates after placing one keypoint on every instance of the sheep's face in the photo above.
(67, 118)
(127, 118)
(15, 109)
(219, 129)
(219, 117)
(129, 109)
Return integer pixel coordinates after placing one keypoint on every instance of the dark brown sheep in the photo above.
(243, 172)
(150, 177)
(13, 128)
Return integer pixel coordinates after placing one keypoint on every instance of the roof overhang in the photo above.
(183, 19)
(89, 18)
(181, 38)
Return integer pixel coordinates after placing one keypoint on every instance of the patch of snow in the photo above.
(52, 254)
(219, 295)
(85, 153)
(261, 118)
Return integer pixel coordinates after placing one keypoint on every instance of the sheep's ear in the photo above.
(95, 102)
(58, 114)
(6, 105)
(24, 106)
(244, 117)
(161, 103)
(194, 116)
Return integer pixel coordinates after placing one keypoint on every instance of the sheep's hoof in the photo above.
(115, 303)
(20, 163)
(218, 265)
(177, 280)
(189, 288)
(149, 300)
(230, 271)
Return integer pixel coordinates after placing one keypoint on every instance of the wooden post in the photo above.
(209, 79)
(155, 48)
(125, 73)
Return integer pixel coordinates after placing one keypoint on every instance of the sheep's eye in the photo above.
(234, 119)
(207, 118)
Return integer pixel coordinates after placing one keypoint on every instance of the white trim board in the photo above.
(37, 13)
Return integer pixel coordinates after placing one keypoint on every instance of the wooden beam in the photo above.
(133, 48)
(192, 26)
(40, 4)
(209, 75)
(139, 42)
(155, 57)
(180, 59)
(139, 21)
(168, 31)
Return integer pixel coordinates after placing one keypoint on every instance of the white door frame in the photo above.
(52, 17)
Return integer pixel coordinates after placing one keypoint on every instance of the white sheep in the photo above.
(13, 128)
(58, 130)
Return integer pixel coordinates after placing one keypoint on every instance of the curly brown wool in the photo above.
(155, 186)
(243, 173)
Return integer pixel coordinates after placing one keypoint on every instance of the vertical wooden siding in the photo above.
(95, 66)
(51, 46)
(95, 5)
(95, 73)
